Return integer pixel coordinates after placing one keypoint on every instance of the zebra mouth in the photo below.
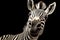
(35, 33)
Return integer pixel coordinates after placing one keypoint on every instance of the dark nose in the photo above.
(36, 23)
(36, 26)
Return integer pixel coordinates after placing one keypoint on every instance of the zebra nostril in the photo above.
(39, 29)
(38, 25)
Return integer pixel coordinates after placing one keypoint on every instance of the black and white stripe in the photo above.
(36, 14)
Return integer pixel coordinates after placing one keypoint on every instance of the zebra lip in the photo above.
(36, 31)
(34, 34)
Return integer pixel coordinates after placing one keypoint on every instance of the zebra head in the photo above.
(37, 16)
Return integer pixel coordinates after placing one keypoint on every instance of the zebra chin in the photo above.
(35, 33)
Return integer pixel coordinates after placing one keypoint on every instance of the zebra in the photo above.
(36, 21)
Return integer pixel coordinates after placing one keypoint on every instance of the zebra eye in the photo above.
(29, 23)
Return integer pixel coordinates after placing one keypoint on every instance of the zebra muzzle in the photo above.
(35, 33)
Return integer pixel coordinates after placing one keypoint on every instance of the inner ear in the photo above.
(30, 5)
(51, 8)
(41, 5)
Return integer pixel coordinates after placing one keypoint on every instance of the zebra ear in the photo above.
(30, 4)
(51, 8)
(41, 5)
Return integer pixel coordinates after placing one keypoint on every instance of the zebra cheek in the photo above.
(41, 32)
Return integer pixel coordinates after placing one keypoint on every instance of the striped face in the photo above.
(37, 16)
(36, 22)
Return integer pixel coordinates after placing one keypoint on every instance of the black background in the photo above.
(14, 15)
